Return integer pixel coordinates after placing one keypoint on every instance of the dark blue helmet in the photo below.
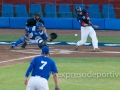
(78, 9)
(39, 24)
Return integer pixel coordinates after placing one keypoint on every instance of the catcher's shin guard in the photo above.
(24, 44)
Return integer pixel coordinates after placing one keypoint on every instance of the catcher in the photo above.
(35, 34)
(32, 22)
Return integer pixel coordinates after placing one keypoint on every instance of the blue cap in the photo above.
(45, 50)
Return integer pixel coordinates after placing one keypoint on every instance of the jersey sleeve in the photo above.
(28, 30)
(28, 23)
(32, 64)
(54, 68)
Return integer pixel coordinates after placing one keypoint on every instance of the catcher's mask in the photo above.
(78, 10)
(39, 26)
(37, 16)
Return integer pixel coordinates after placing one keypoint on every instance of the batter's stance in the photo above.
(86, 29)
(41, 68)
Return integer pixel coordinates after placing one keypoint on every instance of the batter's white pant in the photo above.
(85, 32)
(37, 83)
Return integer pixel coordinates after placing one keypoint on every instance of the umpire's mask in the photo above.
(37, 16)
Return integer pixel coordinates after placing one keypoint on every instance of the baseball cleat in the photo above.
(76, 48)
(12, 47)
(24, 45)
(96, 50)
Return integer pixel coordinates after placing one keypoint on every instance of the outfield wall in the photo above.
(60, 23)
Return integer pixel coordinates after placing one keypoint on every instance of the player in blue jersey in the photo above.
(33, 34)
(41, 67)
(86, 29)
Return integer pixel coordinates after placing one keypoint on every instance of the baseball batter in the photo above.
(86, 29)
(33, 34)
(41, 68)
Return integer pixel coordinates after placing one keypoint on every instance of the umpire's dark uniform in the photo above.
(32, 22)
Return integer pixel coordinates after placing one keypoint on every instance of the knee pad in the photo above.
(23, 38)
(41, 43)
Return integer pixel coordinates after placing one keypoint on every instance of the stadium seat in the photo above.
(65, 15)
(50, 10)
(7, 10)
(21, 14)
(20, 10)
(93, 8)
(76, 5)
(64, 11)
(35, 8)
(7, 14)
(108, 8)
(95, 15)
(50, 15)
(7, 5)
(109, 15)
(64, 8)
(108, 11)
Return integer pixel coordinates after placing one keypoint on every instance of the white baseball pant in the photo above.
(37, 83)
(85, 32)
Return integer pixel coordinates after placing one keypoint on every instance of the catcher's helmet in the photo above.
(39, 24)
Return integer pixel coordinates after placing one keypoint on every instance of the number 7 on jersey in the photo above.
(43, 64)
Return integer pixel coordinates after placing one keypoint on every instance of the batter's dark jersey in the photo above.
(82, 19)
(31, 22)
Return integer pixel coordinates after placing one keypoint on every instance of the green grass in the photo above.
(108, 39)
(11, 77)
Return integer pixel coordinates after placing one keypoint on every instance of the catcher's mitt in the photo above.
(53, 36)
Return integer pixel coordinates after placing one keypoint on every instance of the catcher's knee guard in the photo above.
(24, 44)
(41, 43)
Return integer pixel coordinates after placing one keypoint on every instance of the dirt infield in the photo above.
(8, 56)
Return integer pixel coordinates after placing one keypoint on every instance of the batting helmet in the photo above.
(78, 9)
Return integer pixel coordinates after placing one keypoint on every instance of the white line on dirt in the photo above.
(17, 59)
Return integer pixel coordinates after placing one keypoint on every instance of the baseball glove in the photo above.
(53, 36)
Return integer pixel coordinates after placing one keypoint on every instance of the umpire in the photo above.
(32, 22)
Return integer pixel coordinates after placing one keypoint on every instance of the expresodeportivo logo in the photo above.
(90, 74)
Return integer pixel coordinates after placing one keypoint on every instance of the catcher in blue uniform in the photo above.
(35, 34)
